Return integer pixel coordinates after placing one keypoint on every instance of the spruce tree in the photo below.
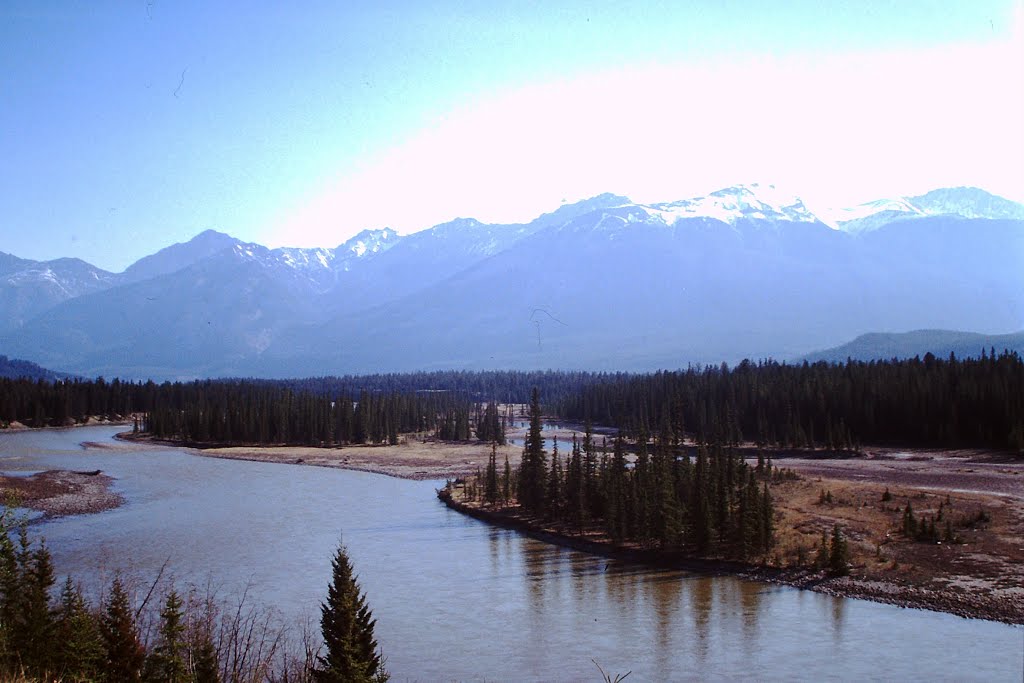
(555, 501)
(124, 653)
(821, 559)
(167, 662)
(533, 469)
(36, 624)
(347, 624)
(79, 655)
(204, 656)
(838, 559)
(491, 481)
(506, 482)
(575, 488)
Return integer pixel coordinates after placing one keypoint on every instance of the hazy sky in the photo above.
(127, 126)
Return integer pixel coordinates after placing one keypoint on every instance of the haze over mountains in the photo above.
(601, 284)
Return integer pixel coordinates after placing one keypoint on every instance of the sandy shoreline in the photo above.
(414, 458)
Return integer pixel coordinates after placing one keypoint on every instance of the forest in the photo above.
(921, 402)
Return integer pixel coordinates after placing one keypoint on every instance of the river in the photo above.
(458, 600)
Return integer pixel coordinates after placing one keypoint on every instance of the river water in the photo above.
(458, 600)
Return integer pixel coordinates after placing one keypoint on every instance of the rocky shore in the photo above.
(58, 493)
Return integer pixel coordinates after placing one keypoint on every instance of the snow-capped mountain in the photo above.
(367, 244)
(604, 283)
(964, 202)
(738, 203)
(28, 287)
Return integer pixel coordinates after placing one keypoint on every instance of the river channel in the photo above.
(458, 600)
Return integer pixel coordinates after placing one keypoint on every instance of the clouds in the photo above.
(836, 128)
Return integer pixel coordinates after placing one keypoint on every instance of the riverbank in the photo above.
(981, 575)
(978, 577)
(413, 458)
(59, 493)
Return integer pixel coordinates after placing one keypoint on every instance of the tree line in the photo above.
(923, 402)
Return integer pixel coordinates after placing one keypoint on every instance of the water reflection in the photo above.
(838, 616)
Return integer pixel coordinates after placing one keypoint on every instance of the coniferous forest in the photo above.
(922, 402)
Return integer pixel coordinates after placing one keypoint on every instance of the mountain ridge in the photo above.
(747, 271)
(940, 343)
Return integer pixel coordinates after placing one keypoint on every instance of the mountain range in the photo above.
(606, 283)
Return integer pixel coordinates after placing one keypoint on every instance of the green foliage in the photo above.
(350, 654)
(956, 402)
(124, 654)
(839, 554)
(36, 626)
(166, 664)
(489, 425)
(491, 478)
(80, 654)
(821, 559)
(533, 470)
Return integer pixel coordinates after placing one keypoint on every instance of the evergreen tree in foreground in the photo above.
(346, 621)
(79, 655)
(124, 653)
(167, 662)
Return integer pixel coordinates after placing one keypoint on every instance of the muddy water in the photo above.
(458, 600)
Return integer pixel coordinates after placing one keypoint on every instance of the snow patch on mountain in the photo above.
(965, 202)
(741, 202)
(368, 242)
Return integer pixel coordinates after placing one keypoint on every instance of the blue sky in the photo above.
(128, 126)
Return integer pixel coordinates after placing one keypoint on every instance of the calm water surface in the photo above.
(458, 600)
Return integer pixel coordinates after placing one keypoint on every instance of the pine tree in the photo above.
(555, 500)
(491, 482)
(533, 469)
(36, 625)
(124, 653)
(822, 557)
(838, 558)
(641, 482)
(167, 662)
(79, 655)
(506, 482)
(347, 624)
(575, 487)
(204, 656)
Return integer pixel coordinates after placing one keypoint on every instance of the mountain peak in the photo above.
(180, 255)
(739, 202)
(965, 202)
(370, 241)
